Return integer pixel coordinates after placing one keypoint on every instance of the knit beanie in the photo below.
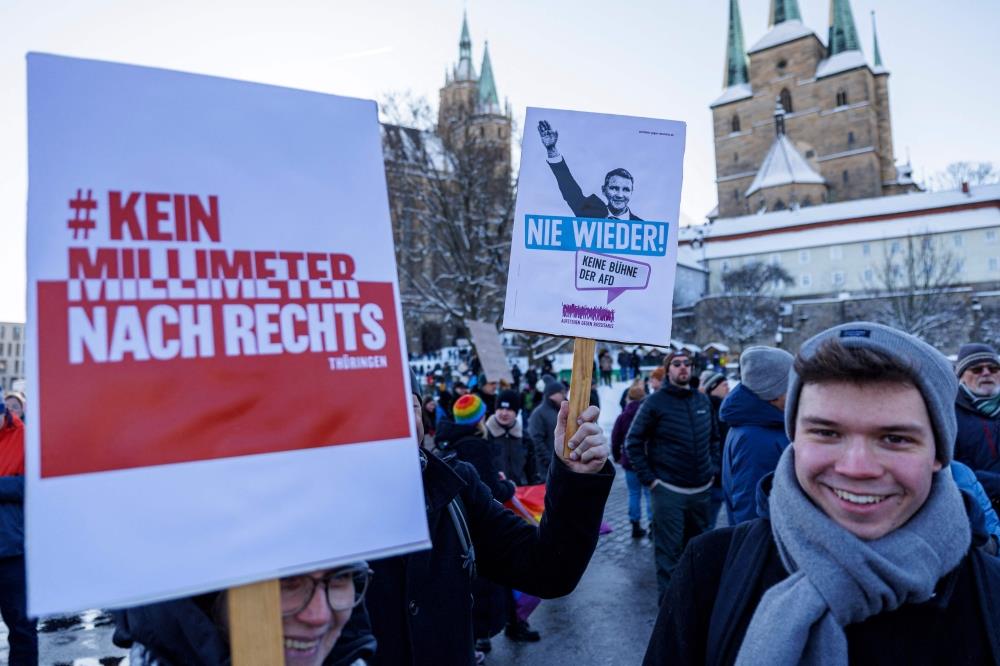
(552, 387)
(764, 370)
(468, 410)
(715, 380)
(509, 399)
(932, 371)
(973, 353)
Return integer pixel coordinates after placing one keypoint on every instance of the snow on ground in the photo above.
(610, 409)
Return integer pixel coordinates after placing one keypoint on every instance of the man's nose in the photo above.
(859, 459)
(317, 611)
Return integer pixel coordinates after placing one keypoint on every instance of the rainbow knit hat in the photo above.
(468, 409)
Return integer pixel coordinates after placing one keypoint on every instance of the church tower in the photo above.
(469, 106)
(800, 122)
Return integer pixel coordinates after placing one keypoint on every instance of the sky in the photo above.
(651, 58)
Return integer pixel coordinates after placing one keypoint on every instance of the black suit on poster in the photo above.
(589, 206)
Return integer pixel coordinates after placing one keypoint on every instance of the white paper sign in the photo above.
(489, 350)
(212, 303)
(594, 247)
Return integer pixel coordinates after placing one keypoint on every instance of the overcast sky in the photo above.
(654, 58)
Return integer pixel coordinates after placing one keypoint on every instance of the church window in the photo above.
(786, 100)
(736, 123)
(810, 154)
(850, 138)
(845, 177)
(736, 157)
(482, 131)
(500, 132)
(779, 205)
(782, 63)
(736, 195)
(841, 97)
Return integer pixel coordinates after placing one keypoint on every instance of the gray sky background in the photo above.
(654, 58)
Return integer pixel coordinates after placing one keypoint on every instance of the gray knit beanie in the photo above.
(973, 353)
(764, 370)
(935, 379)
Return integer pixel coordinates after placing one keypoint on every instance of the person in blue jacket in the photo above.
(754, 411)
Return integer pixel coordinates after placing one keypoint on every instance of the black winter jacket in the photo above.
(978, 444)
(509, 449)
(674, 438)
(465, 443)
(723, 574)
(420, 604)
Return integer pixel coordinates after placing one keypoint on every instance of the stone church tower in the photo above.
(469, 107)
(801, 122)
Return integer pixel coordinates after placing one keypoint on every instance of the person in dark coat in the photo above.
(506, 437)
(542, 423)
(977, 408)
(636, 394)
(716, 388)
(419, 603)
(22, 633)
(754, 412)
(674, 447)
(864, 552)
(323, 621)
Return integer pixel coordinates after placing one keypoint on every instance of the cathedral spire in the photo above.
(843, 35)
(464, 70)
(878, 54)
(784, 10)
(488, 100)
(736, 55)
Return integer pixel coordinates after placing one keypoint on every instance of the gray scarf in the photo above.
(838, 579)
(987, 406)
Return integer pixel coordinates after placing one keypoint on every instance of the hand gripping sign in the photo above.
(209, 327)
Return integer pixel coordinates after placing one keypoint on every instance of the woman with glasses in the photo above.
(321, 622)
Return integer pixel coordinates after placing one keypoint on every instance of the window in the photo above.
(803, 256)
(786, 100)
(993, 264)
(869, 275)
(850, 138)
(845, 177)
(779, 205)
(841, 97)
(736, 157)
(736, 195)
(810, 154)
(991, 235)
(866, 250)
(499, 132)
(895, 247)
(775, 259)
(957, 240)
(3, 332)
(725, 266)
(805, 280)
(838, 278)
(482, 131)
(836, 252)
(736, 123)
(782, 63)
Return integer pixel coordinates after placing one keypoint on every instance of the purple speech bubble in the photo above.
(597, 271)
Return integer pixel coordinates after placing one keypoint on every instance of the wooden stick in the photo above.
(579, 387)
(255, 631)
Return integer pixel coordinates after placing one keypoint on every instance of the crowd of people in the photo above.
(856, 482)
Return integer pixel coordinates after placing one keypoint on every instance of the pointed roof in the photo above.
(786, 31)
(737, 70)
(488, 99)
(879, 68)
(464, 70)
(843, 35)
(784, 10)
(783, 164)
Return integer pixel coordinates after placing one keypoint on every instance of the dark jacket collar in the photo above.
(676, 390)
(441, 483)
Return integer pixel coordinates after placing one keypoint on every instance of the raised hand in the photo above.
(549, 137)
(588, 447)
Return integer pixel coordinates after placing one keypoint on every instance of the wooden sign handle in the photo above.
(579, 387)
(255, 632)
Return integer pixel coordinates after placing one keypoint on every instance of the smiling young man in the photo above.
(864, 551)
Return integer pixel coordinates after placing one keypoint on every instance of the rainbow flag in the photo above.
(528, 502)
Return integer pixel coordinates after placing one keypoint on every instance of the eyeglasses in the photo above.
(986, 367)
(677, 364)
(345, 589)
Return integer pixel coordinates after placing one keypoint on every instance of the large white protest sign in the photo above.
(489, 350)
(215, 337)
(594, 246)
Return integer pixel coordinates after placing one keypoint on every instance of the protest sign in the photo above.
(218, 353)
(594, 246)
(489, 350)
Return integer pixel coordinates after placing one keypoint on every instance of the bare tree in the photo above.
(956, 173)
(452, 200)
(918, 279)
(748, 305)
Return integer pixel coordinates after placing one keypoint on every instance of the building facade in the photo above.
(12, 371)
(801, 122)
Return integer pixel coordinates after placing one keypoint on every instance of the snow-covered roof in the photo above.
(785, 31)
(783, 165)
(842, 62)
(733, 93)
(845, 210)
(679, 344)
(408, 144)
(879, 69)
(718, 346)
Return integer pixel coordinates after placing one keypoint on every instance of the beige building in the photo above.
(11, 355)
(800, 122)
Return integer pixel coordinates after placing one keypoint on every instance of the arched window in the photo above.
(779, 205)
(786, 100)
(482, 131)
(841, 97)
(736, 123)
